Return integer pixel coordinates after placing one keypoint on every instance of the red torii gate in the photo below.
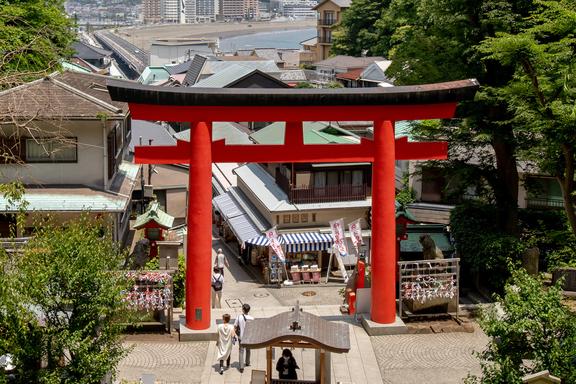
(201, 107)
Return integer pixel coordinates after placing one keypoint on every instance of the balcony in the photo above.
(325, 39)
(325, 194)
(326, 22)
(544, 203)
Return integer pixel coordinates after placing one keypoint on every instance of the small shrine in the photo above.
(297, 329)
(155, 222)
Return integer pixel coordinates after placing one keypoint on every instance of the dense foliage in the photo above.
(484, 251)
(34, 36)
(542, 90)
(531, 331)
(60, 302)
(522, 53)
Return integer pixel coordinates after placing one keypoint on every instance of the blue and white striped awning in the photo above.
(299, 242)
(307, 241)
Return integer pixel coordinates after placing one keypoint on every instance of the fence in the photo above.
(427, 284)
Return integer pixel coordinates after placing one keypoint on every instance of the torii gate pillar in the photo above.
(383, 259)
(204, 106)
(199, 217)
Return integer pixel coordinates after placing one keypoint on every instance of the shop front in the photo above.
(307, 257)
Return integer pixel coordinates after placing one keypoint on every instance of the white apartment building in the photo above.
(171, 11)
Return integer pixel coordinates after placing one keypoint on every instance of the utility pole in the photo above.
(141, 185)
(150, 165)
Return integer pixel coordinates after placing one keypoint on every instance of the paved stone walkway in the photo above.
(444, 358)
(400, 359)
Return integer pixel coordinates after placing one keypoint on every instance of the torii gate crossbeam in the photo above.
(201, 107)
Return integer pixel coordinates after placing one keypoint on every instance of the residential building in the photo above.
(171, 11)
(206, 10)
(374, 75)
(329, 68)
(95, 56)
(251, 10)
(179, 50)
(239, 76)
(232, 10)
(329, 15)
(190, 11)
(152, 11)
(69, 142)
(299, 8)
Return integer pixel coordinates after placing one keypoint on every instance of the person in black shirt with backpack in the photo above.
(217, 285)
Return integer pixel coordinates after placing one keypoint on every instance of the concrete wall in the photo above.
(88, 170)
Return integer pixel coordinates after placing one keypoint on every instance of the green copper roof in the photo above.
(154, 213)
(315, 132)
(406, 213)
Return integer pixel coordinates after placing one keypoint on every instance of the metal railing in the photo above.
(544, 202)
(325, 194)
(325, 39)
(326, 21)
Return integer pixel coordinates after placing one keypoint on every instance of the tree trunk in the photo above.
(506, 193)
(567, 184)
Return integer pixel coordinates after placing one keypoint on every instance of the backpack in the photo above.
(217, 283)
(237, 327)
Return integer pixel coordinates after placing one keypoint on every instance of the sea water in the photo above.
(276, 39)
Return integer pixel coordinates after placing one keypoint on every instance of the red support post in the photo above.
(383, 306)
(199, 241)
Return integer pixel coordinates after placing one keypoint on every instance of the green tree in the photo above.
(34, 36)
(356, 33)
(531, 330)
(542, 90)
(62, 302)
(437, 40)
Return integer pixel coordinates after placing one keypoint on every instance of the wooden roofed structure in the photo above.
(298, 329)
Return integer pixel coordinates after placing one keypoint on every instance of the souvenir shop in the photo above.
(307, 257)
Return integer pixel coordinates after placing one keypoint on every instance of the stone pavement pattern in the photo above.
(443, 358)
(399, 359)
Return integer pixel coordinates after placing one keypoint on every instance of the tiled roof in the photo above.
(232, 75)
(312, 41)
(154, 213)
(68, 199)
(194, 70)
(340, 3)
(89, 52)
(66, 95)
(350, 75)
(347, 62)
(316, 132)
(293, 75)
(220, 130)
(178, 68)
(266, 66)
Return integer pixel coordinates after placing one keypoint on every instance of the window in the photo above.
(313, 217)
(304, 218)
(295, 218)
(286, 219)
(52, 150)
(303, 179)
(432, 185)
(357, 177)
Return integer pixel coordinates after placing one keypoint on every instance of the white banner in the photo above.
(339, 246)
(337, 227)
(272, 237)
(356, 234)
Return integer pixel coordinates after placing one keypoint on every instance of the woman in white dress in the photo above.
(225, 341)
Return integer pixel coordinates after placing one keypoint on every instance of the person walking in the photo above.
(220, 261)
(225, 341)
(286, 366)
(217, 285)
(239, 325)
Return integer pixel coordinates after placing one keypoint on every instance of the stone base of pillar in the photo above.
(375, 329)
(187, 334)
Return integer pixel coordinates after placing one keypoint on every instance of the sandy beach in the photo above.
(141, 36)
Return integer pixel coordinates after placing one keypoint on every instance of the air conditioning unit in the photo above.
(149, 191)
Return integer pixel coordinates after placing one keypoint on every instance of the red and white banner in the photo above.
(272, 236)
(356, 233)
(337, 227)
